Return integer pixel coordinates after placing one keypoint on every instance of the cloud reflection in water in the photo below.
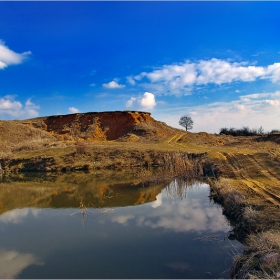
(18, 215)
(183, 209)
(13, 262)
(122, 219)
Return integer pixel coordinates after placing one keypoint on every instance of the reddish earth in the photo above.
(102, 125)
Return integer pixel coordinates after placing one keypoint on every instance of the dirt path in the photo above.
(174, 139)
(251, 170)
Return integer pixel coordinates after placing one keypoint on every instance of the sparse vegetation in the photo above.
(246, 131)
(260, 259)
(256, 225)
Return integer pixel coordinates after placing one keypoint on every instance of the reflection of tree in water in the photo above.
(92, 213)
(178, 188)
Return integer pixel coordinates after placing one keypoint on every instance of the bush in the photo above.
(244, 131)
(275, 131)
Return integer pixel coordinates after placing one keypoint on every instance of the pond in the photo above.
(111, 226)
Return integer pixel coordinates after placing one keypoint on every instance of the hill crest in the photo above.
(108, 125)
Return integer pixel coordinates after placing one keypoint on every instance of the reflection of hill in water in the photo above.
(106, 189)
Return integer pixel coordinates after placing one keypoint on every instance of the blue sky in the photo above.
(218, 62)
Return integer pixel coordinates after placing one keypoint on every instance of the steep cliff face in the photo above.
(101, 125)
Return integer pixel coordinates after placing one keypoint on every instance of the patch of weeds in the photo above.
(260, 258)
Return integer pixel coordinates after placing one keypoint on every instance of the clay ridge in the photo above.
(94, 125)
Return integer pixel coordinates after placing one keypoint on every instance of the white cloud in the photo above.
(147, 101)
(181, 78)
(73, 110)
(130, 80)
(112, 85)
(31, 109)
(273, 71)
(9, 57)
(92, 85)
(275, 103)
(253, 110)
(13, 108)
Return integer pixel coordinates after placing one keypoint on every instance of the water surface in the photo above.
(94, 227)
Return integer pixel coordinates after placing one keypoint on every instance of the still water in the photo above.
(93, 226)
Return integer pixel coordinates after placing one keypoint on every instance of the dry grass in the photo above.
(231, 199)
(16, 137)
(98, 155)
(260, 259)
(257, 225)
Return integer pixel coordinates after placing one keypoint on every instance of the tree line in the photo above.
(246, 131)
(187, 123)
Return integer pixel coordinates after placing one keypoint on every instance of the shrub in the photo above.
(244, 131)
(274, 131)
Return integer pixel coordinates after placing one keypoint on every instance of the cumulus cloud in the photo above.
(9, 57)
(112, 85)
(180, 78)
(273, 72)
(12, 108)
(253, 110)
(146, 101)
(73, 110)
(274, 103)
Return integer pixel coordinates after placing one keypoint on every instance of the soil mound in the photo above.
(117, 125)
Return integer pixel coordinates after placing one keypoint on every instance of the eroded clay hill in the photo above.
(117, 125)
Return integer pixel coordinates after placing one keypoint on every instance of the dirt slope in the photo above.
(62, 130)
(117, 125)
(256, 172)
(15, 136)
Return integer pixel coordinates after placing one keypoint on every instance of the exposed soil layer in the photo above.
(101, 125)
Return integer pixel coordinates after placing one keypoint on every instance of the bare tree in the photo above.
(186, 122)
